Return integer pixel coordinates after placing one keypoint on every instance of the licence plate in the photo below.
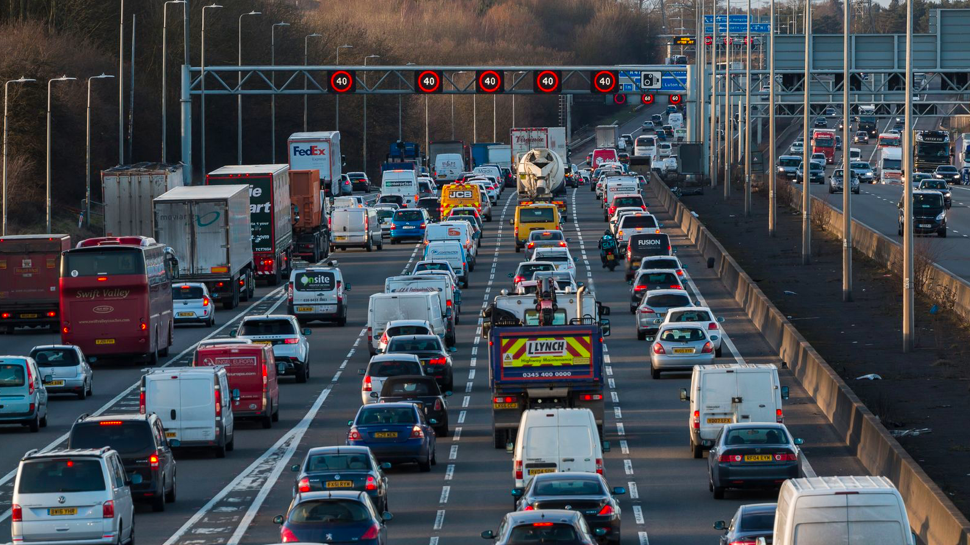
(62, 511)
(385, 435)
(104, 341)
(757, 457)
(55, 383)
(505, 405)
(539, 471)
(187, 314)
(28, 316)
(341, 238)
(340, 484)
(262, 342)
(171, 434)
(610, 257)
(408, 226)
(683, 350)
(304, 309)
(718, 420)
(925, 225)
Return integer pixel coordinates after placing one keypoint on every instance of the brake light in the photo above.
(529, 508)
(5, 315)
(144, 326)
(532, 245)
(642, 207)
(368, 386)
(728, 458)
(393, 227)
(676, 287)
(599, 466)
(153, 461)
(542, 524)
(384, 338)
(17, 514)
(437, 404)
(779, 416)
(51, 314)
(370, 335)
(205, 301)
(612, 210)
(646, 310)
(291, 340)
(353, 434)
(518, 279)
(303, 485)
(141, 402)
(218, 398)
(518, 469)
(639, 288)
(448, 303)
(619, 234)
(416, 432)
(743, 542)
(606, 510)
(592, 397)
(286, 536)
(110, 423)
(438, 361)
(289, 292)
(423, 225)
(371, 483)
(108, 509)
(102, 278)
(562, 244)
(708, 348)
(712, 326)
(371, 532)
(697, 420)
(658, 349)
(30, 381)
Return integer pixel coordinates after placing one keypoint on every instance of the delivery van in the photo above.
(403, 182)
(448, 167)
(533, 217)
(384, 307)
(451, 252)
(429, 283)
(458, 195)
(194, 404)
(356, 228)
(251, 369)
(728, 393)
(556, 440)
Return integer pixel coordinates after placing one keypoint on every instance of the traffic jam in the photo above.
(290, 353)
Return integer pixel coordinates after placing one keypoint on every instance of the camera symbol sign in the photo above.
(650, 80)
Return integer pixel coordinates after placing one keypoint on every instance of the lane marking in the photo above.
(633, 490)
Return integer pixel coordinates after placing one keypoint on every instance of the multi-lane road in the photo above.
(233, 500)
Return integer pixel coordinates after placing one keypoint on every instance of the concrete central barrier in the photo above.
(931, 514)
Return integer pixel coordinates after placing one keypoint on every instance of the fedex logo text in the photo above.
(307, 151)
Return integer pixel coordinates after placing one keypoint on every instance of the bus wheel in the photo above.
(153, 357)
(164, 352)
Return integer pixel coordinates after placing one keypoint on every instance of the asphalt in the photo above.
(233, 500)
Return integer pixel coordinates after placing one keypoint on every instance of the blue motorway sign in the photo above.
(636, 81)
(739, 28)
(674, 81)
(721, 19)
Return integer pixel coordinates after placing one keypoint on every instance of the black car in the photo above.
(432, 353)
(432, 206)
(586, 493)
(342, 468)
(929, 213)
(359, 181)
(507, 177)
(653, 279)
(821, 122)
(643, 245)
(422, 390)
(140, 440)
(657, 119)
(816, 173)
(936, 184)
(749, 523)
(552, 527)
(948, 173)
(752, 455)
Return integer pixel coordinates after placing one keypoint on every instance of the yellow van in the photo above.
(459, 194)
(532, 217)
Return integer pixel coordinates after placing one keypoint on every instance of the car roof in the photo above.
(666, 291)
(752, 508)
(55, 346)
(407, 322)
(687, 309)
(261, 317)
(647, 271)
(72, 452)
(683, 325)
(392, 405)
(127, 417)
(743, 425)
(550, 263)
(571, 475)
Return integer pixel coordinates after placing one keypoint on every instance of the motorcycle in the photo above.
(609, 259)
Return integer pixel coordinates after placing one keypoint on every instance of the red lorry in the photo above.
(311, 236)
(30, 268)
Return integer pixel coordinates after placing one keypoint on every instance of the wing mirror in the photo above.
(295, 468)
(174, 443)
(799, 441)
(488, 534)
(360, 372)
(307, 332)
(433, 422)
(720, 319)
(517, 492)
(683, 395)
(233, 332)
(347, 287)
(605, 327)
(350, 422)
(386, 516)
(606, 446)
(512, 222)
(619, 491)
(386, 465)
(600, 532)
(47, 378)
(135, 479)
(448, 393)
(720, 525)
(784, 392)
(278, 519)
(510, 447)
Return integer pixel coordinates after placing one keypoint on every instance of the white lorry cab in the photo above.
(729, 393)
(556, 440)
(841, 511)
(890, 166)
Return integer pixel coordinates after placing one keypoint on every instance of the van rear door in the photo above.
(875, 518)
(715, 406)
(541, 450)
(757, 397)
(162, 394)
(576, 449)
(197, 408)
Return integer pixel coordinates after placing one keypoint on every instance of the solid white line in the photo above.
(726, 339)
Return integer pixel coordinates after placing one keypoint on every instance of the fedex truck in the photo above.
(318, 151)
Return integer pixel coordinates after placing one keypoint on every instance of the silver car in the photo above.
(702, 316)
(291, 348)
(679, 347)
(192, 304)
(654, 306)
(64, 369)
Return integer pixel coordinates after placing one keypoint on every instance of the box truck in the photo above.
(30, 268)
(128, 193)
(525, 139)
(310, 230)
(319, 151)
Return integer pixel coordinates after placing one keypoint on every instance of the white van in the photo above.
(855, 154)
(645, 146)
(356, 228)
(429, 283)
(676, 120)
(621, 186)
(451, 252)
(731, 392)
(194, 404)
(556, 440)
(841, 511)
(448, 167)
(466, 236)
(384, 307)
(318, 293)
(401, 182)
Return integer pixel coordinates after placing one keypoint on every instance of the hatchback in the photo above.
(64, 369)
(750, 522)
(652, 279)
(422, 391)
(861, 137)
(193, 304)
(399, 200)
(549, 527)
(657, 119)
(679, 347)
(383, 366)
(664, 149)
(385, 214)
(342, 468)
(290, 345)
(525, 270)
(23, 392)
(559, 257)
(395, 432)
(432, 206)
(359, 181)
(333, 517)
(752, 455)
(408, 224)
(544, 239)
(435, 360)
(655, 305)
(587, 493)
(402, 327)
(699, 315)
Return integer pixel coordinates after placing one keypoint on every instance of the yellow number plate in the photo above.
(171, 434)
(505, 405)
(62, 511)
(187, 314)
(104, 341)
(55, 383)
(683, 350)
(539, 471)
(385, 435)
(304, 309)
(25, 316)
(341, 238)
(758, 457)
(340, 484)
(718, 420)
(262, 342)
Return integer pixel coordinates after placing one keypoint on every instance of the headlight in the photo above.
(941, 216)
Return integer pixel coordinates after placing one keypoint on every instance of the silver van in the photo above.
(23, 396)
(356, 228)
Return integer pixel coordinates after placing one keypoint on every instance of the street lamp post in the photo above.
(121, 85)
(164, 81)
(272, 115)
(306, 59)
(400, 112)
(908, 250)
(365, 109)
(5, 91)
(747, 116)
(806, 152)
(772, 170)
(49, 82)
(239, 114)
(846, 172)
(87, 152)
(714, 111)
(728, 117)
(453, 106)
(336, 97)
(202, 68)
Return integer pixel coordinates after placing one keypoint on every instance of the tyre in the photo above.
(641, 335)
(170, 495)
(517, 249)
(231, 445)
(212, 321)
(83, 394)
(425, 467)
(277, 277)
(899, 230)
(153, 357)
(267, 419)
(718, 492)
(370, 245)
(941, 233)
(158, 502)
(611, 266)
(131, 532)
(499, 438)
(35, 423)
(91, 388)
(276, 414)
(164, 352)
(233, 300)
(442, 431)
(221, 451)
(43, 420)
(654, 373)
(717, 353)
(302, 372)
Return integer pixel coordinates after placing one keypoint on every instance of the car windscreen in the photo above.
(545, 533)
(926, 202)
(891, 164)
(394, 368)
(55, 357)
(432, 267)
(632, 222)
(251, 328)
(860, 166)
(947, 169)
(386, 415)
(683, 335)
(12, 375)
(355, 461)
(329, 511)
(124, 436)
(412, 344)
(537, 215)
(668, 300)
(60, 475)
(568, 487)
(408, 215)
(93, 262)
(314, 281)
(824, 142)
(545, 235)
(932, 184)
(183, 293)
(756, 436)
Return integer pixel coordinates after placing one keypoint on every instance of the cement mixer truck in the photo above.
(540, 174)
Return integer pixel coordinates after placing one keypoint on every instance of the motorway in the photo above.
(233, 500)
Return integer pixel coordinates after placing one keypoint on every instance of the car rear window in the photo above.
(344, 202)
(407, 330)
(408, 215)
(687, 334)
(756, 436)
(660, 264)
(536, 215)
(398, 344)
(92, 262)
(526, 269)
(61, 475)
(653, 279)
(394, 368)
(432, 267)
(315, 281)
(55, 357)
(582, 487)
(668, 300)
(385, 213)
(127, 437)
(338, 462)
(757, 521)
(12, 375)
(627, 201)
(555, 258)
(545, 235)
(649, 244)
(691, 316)
(386, 415)
(183, 293)
(633, 222)
(329, 511)
(266, 327)
(544, 532)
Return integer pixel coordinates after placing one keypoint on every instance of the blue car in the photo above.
(408, 224)
(395, 432)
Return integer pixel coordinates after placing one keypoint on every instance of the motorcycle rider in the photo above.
(607, 245)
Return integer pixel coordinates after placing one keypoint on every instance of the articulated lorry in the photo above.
(524, 139)
(311, 233)
(607, 136)
(30, 270)
(128, 194)
(318, 151)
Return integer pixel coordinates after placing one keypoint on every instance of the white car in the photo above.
(290, 345)
(620, 212)
(664, 149)
(669, 165)
(559, 257)
(797, 148)
(192, 304)
(402, 327)
(699, 315)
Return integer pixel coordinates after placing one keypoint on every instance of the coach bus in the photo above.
(116, 297)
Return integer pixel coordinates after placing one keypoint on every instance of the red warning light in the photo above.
(619, 99)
